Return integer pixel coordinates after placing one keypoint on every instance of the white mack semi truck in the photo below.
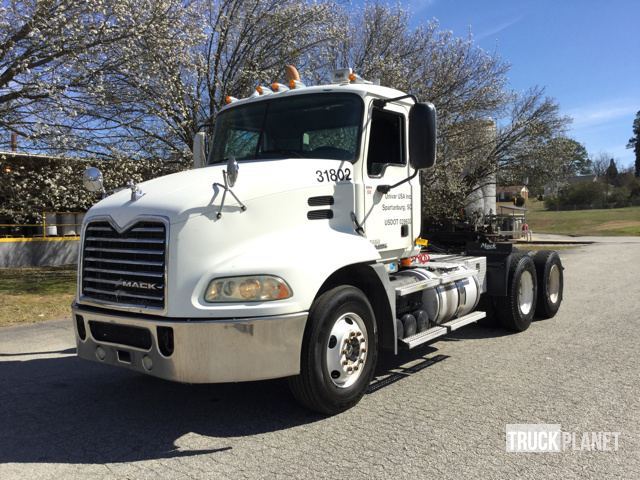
(294, 251)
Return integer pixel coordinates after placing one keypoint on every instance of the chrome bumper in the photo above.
(211, 351)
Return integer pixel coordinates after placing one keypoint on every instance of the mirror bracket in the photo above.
(381, 102)
(384, 189)
(229, 181)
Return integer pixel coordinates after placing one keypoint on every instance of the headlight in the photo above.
(255, 288)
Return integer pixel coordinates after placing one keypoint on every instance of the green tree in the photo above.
(577, 161)
(612, 171)
(634, 142)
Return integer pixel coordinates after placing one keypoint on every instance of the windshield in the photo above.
(320, 125)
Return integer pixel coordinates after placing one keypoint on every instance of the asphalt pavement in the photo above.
(436, 412)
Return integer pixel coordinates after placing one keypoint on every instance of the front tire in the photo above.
(339, 352)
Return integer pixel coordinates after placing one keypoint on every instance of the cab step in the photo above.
(442, 330)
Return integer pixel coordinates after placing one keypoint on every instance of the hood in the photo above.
(184, 194)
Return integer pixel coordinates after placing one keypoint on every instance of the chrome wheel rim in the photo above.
(346, 351)
(553, 284)
(525, 292)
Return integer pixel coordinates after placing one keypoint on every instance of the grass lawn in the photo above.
(614, 221)
(30, 295)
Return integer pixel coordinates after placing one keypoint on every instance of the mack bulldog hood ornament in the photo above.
(136, 193)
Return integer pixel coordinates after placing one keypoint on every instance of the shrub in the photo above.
(551, 203)
(583, 195)
(619, 197)
(594, 195)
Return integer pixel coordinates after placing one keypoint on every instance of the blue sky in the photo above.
(586, 53)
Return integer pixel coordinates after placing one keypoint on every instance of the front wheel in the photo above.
(339, 352)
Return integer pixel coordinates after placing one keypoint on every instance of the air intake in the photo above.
(320, 201)
(319, 214)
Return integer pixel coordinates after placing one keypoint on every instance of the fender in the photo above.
(499, 258)
(304, 256)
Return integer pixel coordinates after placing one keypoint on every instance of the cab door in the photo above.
(387, 221)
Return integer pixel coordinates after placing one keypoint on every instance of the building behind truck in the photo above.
(294, 251)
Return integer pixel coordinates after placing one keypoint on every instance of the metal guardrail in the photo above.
(53, 224)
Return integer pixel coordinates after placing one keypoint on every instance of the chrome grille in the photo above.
(126, 269)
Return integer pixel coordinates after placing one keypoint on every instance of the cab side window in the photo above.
(386, 142)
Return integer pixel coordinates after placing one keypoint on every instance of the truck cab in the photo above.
(293, 251)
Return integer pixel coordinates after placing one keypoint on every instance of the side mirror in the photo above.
(199, 150)
(92, 180)
(422, 135)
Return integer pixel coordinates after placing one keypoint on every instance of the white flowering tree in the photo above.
(136, 79)
(249, 42)
(58, 61)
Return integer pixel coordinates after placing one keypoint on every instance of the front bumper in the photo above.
(204, 351)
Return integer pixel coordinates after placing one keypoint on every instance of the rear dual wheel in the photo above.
(517, 309)
(549, 270)
(535, 288)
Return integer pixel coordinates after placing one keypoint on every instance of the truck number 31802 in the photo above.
(333, 175)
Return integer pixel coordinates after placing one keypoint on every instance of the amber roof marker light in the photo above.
(279, 87)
